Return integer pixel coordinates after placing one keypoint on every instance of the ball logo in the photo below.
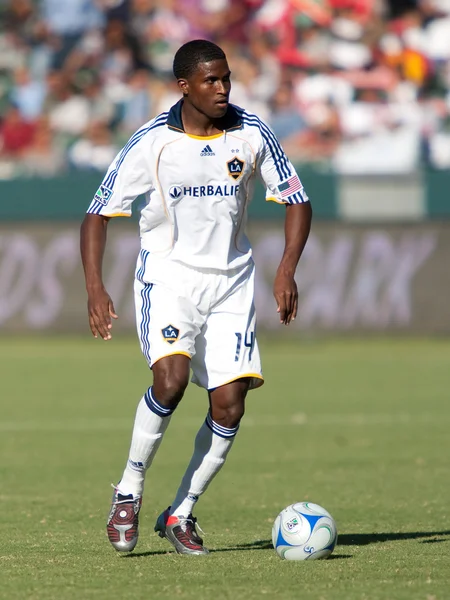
(292, 524)
(175, 192)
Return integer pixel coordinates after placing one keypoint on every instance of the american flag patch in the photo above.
(290, 186)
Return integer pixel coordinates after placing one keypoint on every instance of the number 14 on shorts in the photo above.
(249, 342)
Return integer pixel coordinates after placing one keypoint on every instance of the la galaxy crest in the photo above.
(235, 167)
(170, 334)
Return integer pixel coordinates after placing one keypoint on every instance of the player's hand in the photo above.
(101, 311)
(286, 295)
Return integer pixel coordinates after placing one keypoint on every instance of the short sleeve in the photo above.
(282, 183)
(127, 178)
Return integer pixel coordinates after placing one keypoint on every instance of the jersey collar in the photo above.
(230, 121)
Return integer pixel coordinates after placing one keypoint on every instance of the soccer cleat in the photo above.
(123, 521)
(181, 533)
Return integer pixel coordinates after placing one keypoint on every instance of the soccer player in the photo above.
(194, 283)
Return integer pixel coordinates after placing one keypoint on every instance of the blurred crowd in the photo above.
(357, 86)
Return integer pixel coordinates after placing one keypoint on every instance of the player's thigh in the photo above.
(227, 349)
(167, 324)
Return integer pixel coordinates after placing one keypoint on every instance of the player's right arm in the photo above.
(92, 246)
(127, 178)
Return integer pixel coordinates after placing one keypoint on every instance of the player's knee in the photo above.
(230, 416)
(169, 389)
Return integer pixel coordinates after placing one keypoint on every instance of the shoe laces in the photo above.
(125, 500)
(191, 520)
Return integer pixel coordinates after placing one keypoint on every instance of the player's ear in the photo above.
(184, 86)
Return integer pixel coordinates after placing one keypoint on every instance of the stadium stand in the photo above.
(355, 86)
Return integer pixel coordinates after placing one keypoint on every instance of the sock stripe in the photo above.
(223, 432)
(221, 427)
(155, 406)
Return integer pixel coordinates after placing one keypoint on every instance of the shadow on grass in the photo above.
(345, 539)
(258, 545)
(363, 539)
(149, 553)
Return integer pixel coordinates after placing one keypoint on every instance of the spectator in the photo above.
(95, 150)
(44, 157)
(67, 20)
(137, 105)
(68, 112)
(285, 117)
(16, 133)
(28, 94)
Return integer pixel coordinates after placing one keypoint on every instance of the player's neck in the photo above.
(197, 123)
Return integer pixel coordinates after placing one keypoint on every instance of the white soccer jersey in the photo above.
(197, 189)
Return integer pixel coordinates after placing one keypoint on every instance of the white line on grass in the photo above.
(297, 419)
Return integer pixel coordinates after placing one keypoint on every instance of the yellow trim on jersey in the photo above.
(163, 200)
(244, 376)
(172, 354)
(175, 128)
(205, 137)
(273, 199)
(117, 215)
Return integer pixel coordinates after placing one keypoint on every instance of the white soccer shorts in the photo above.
(206, 315)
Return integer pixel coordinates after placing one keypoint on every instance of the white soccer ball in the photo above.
(304, 531)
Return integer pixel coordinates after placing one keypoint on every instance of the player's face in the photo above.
(208, 89)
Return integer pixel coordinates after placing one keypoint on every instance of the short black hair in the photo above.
(191, 54)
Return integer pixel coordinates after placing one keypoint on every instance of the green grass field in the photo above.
(359, 426)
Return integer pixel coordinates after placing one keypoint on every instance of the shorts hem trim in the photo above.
(172, 354)
(257, 384)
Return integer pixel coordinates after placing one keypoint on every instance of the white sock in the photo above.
(212, 444)
(150, 425)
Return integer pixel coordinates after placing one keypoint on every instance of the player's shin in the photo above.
(150, 424)
(212, 444)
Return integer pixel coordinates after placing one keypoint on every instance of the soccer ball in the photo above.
(304, 531)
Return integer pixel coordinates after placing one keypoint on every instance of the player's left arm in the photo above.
(284, 187)
(296, 230)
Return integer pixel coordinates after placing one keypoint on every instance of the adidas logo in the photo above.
(207, 151)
